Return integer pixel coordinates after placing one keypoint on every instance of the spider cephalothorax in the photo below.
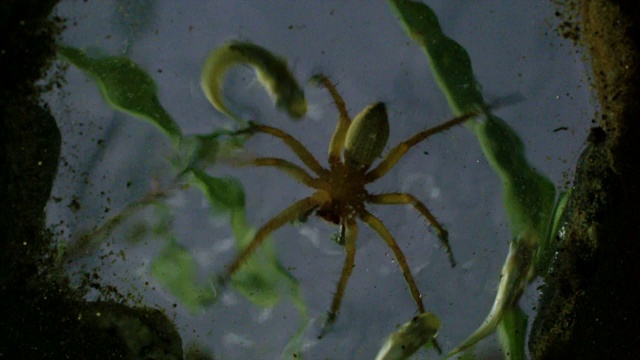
(340, 195)
(345, 187)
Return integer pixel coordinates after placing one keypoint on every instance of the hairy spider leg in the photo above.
(289, 214)
(379, 227)
(287, 167)
(408, 199)
(351, 235)
(337, 140)
(300, 150)
(392, 157)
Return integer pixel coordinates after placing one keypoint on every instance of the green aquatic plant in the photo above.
(174, 267)
(256, 273)
(410, 337)
(126, 87)
(528, 196)
(272, 71)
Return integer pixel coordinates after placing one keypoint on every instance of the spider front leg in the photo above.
(379, 227)
(351, 234)
(408, 199)
(337, 140)
(289, 214)
(287, 167)
(392, 157)
(300, 150)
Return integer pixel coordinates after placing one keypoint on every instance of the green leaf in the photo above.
(272, 71)
(467, 355)
(262, 280)
(514, 277)
(176, 270)
(200, 151)
(512, 332)
(528, 196)
(411, 336)
(449, 61)
(548, 246)
(225, 195)
(126, 87)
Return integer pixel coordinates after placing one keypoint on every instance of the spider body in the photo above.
(340, 195)
(365, 139)
(347, 197)
(345, 187)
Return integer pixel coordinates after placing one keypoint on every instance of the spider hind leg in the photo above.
(351, 234)
(408, 199)
(382, 231)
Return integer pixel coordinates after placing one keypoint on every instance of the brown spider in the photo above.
(340, 194)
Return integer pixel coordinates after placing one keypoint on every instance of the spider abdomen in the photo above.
(367, 136)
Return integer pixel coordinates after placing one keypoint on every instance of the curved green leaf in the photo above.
(411, 336)
(126, 87)
(271, 70)
(514, 277)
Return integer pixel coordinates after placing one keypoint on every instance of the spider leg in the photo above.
(300, 150)
(379, 227)
(408, 199)
(289, 214)
(351, 234)
(337, 140)
(396, 153)
(287, 167)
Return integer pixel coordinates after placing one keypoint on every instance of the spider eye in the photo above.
(367, 136)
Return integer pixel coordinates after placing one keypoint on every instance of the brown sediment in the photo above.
(589, 306)
(41, 317)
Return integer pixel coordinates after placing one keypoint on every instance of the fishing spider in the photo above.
(340, 194)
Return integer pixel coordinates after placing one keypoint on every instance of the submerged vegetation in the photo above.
(529, 197)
